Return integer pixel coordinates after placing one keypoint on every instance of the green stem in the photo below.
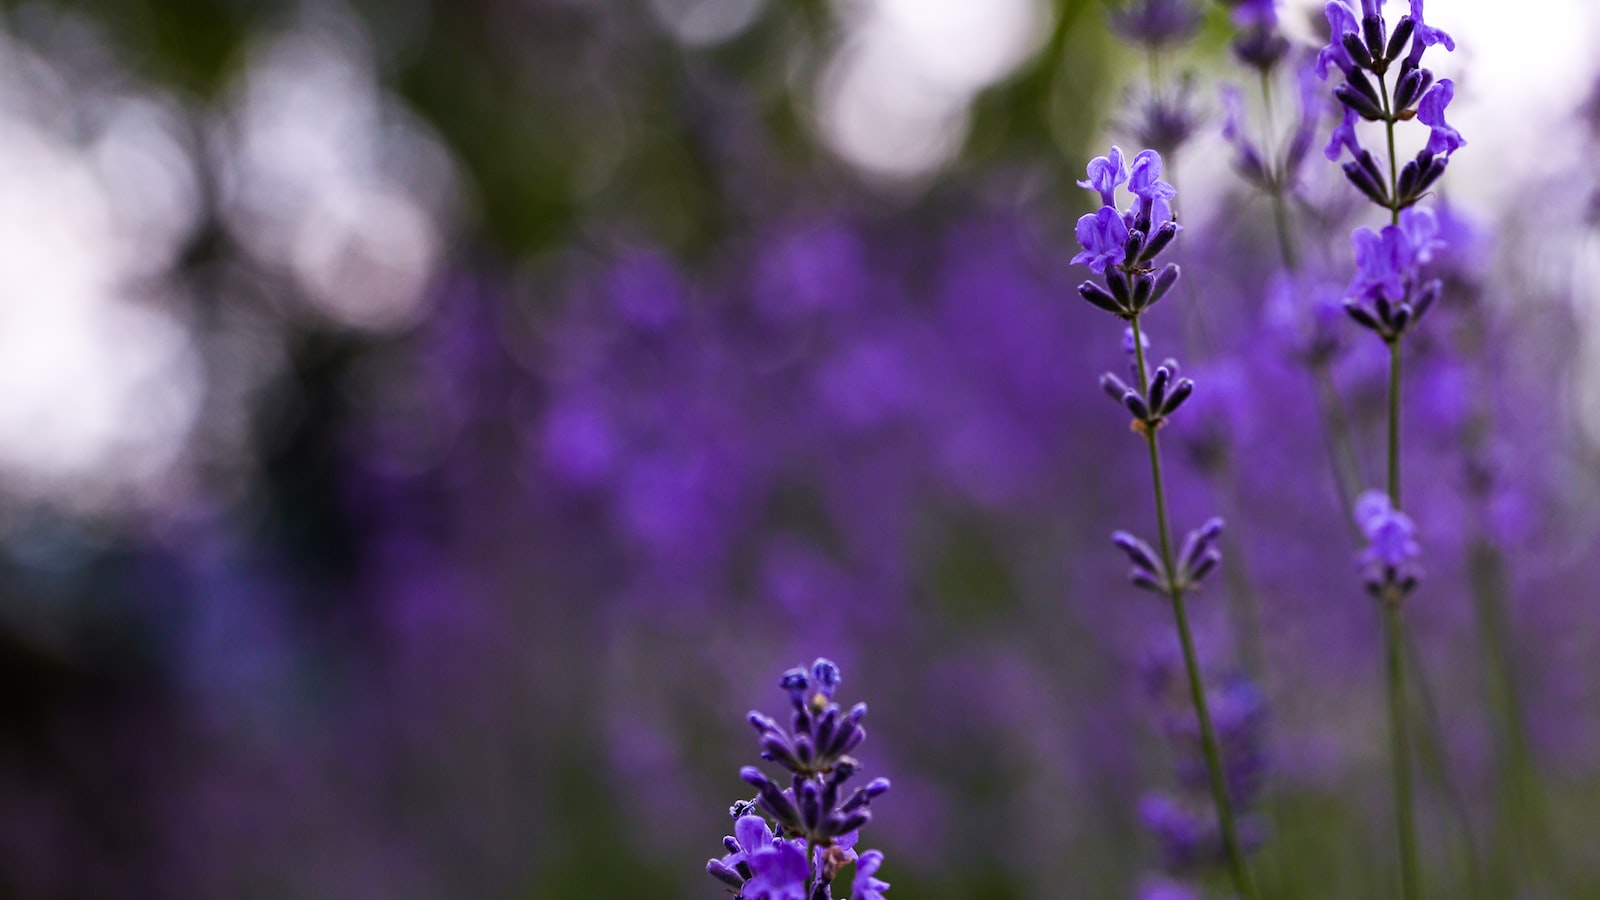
(1394, 423)
(1197, 694)
(1399, 732)
(1400, 748)
(1394, 163)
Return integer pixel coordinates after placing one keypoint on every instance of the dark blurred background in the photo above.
(427, 427)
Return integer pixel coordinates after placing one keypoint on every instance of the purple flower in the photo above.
(1105, 173)
(1421, 229)
(1342, 20)
(1383, 263)
(1156, 23)
(1430, 112)
(867, 886)
(1425, 36)
(814, 812)
(1104, 236)
(778, 872)
(1343, 136)
(1246, 158)
(1255, 13)
(1144, 180)
(1391, 535)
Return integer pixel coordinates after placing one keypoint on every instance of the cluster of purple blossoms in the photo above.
(1389, 292)
(1389, 562)
(1259, 43)
(812, 834)
(1156, 24)
(1274, 169)
(1123, 245)
(1361, 46)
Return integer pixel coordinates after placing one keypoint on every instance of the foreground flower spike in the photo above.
(812, 830)
(1123, 246)
(1364, 50)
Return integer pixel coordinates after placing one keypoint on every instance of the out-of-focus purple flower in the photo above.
(1313, 109)
(1156, 23)
(1306, 314)
(1247, 159)
(1421, 229)
(1163, 120)
(867, 886)
(1167, 889)
(1259, 44)
(647, 290)
(1104, 237)
(1184, 822)
(1105, 174)
(580, 441)
(1383, 263)
(1390, 558)
(1391, 535)
(1248, 13)
(1181, 831)
(1430, 112)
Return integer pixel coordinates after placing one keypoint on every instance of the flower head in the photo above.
(1105, 173)
(767, 863)
(867, 886)
(1444, 139)
(1104, 236)
(1156, 23)
(1389, 560)
(1424, 36)
(1144, 180)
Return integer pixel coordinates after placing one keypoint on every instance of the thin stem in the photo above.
(1400, 748)
(1394, 635)
(1208, 737)
(1394, 165)
(1394, 423)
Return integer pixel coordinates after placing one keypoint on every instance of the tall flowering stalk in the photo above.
(791, 843)
(1164, 120)
(1124, 246)
(1388, 296)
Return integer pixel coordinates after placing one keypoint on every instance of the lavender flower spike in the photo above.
(811, 818)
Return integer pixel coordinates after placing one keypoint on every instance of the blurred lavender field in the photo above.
(427, 427)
